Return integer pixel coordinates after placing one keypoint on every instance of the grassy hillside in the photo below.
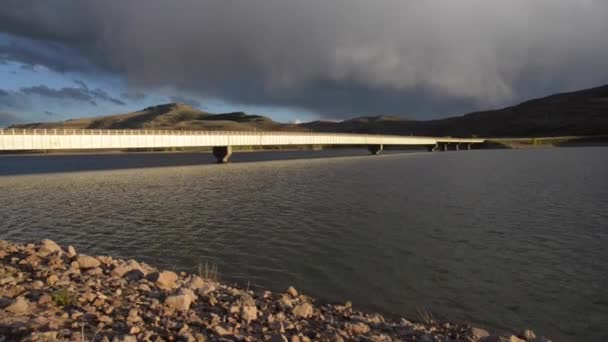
(168, 116)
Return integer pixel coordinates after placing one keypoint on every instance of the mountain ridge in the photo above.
(583, 112)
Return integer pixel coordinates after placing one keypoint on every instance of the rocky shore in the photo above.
(50, 293)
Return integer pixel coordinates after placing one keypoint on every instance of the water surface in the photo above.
(502, 238)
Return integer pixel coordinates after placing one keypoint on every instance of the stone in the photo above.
(20, 306)
(187, 292)
(357, 329)
(527, 335)
(48, 246)
(127, 267)
(166, 280)
(179, 302)
(303, 310)
(129, 338)
(71, 251)
(87, 262)
(292, 291)
(221, 331)
(278, 338)
(37, 284)
(196, 283)
(479, 333)
(249, 313)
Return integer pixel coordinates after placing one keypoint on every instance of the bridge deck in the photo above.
(66, 139)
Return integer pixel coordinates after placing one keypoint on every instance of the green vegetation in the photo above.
(64, 297)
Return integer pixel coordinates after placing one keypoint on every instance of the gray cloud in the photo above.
(133, 95)
(338, 57)
(82, 94)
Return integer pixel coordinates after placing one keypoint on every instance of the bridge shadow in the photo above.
(28, 164)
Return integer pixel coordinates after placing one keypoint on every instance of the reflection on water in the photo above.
(503, 238)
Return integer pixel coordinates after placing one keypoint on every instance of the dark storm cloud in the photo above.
(383, 56)
(133, 95)
(186, 100)
(82, 94)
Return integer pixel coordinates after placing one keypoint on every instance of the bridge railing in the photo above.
(67, 131)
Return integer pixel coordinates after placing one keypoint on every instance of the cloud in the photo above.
(81, 94)
(7, 119)
(186, 100)
(394, 56)
(133, 95)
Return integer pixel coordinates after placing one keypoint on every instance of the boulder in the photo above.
(167, 280)
(292, 291)
(20, 306)
(196, 283)
(71, 251)
(249, 313)
(48, 246)
(179, 302)
(303, 310)
(479, 333)
(86, 261)
(527, 335)
(357, 329)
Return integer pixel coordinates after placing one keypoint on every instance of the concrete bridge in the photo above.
(220, 141)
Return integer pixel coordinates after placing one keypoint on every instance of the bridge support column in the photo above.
(375, 149)
(445, 147)
(222, 153)
(457, 147)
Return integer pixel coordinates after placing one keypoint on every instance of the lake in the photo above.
(501, 238)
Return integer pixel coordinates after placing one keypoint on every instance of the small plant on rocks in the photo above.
(64, 297)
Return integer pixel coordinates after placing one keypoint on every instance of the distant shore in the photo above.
(51, 293)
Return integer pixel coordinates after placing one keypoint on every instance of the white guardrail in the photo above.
(49, 139)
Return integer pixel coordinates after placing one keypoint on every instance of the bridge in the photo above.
(221, 142)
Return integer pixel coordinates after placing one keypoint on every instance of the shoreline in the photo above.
(50, 293)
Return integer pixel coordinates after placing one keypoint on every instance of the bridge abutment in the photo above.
(375, 149)
(222, 153)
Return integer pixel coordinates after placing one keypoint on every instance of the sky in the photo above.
(295, 60)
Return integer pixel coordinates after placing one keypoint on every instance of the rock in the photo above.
(292, 291)
(105, 319)
(357, 329)
(527, 335)
(129, 338)
(134, 275)
(187, 292)
(71, 251)
(221, 331)
(303, 310)
(48, 246)
(196, 283)
(249, 313)
(127, 267)
(52, 279)
(179, 302)
(20, 306)
(479, 333)
(166, 280)
(498, 338)
(207, 289)
(278, 338)
(87, 262)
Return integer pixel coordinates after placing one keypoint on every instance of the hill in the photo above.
(176, 116)
(582, 112)
(579, 113)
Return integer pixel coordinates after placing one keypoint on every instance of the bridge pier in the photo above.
(222, 153)
(457, 147)
(445, 147)
(469, 147)
(375, 149)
